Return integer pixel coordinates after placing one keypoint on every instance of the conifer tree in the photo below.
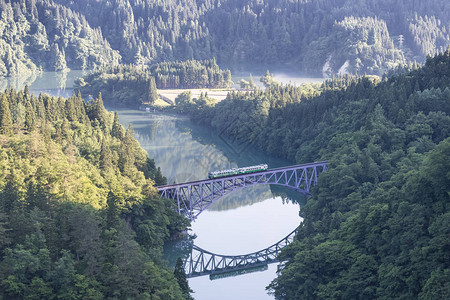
(112, 210)
(152, 91)
(180, 275)
(251, 83)
(30, 118)
(6, 125)
(117, 129)
(105, 156)
(10, 194)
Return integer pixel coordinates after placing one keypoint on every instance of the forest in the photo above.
(190, 74)
(132, 86)
(377, 224)
(80, 217)
(44, 36)
(321, 37)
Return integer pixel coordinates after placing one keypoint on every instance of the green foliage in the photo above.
(371, 35)
(5, 116)
(79, 215)
(121, 85)
(360, 45)
(321, 36)
(180, 275)
(132, 86)
(267, 79)
(377, 224)
(42, 35)
(190, 74)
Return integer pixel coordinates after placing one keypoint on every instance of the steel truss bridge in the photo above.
(193, 198)
(201, 262)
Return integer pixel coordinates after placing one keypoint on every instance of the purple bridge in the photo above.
(193, 198)
(201, 262)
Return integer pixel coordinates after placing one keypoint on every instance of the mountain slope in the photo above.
(377, 223)
(79, 215)
(44, 36)
(371, 36)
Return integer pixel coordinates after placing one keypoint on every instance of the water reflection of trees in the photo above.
(18, 82)
(251, 155)
(288, 195)
(255, 194)
(244, 197)
(61, 80)
(186, 152)
(52, 83)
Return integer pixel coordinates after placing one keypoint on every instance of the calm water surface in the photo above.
(52, 83)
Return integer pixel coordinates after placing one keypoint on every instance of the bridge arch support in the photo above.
(193, 198)
(201, 262)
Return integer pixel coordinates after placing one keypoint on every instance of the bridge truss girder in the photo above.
(192, 198)
(201, 262)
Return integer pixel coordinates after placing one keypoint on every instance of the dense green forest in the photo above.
(79, 215)
(38, 35)
(190, 74)
(131, 86)
(377, 225)
(121, 85)
(315, 36)
(371, 35)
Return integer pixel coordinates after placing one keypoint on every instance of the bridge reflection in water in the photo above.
(201, 262)
(193, 198)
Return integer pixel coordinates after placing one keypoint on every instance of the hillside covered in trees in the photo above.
(39, 35)
(314, 36)
(377, 225)
(131, 86)
(79, 215)
(370, 35)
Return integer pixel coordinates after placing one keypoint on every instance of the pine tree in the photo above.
(112, 210)
(4, 230)
(6, 125)
(97, 111)
(30, 118)
(70, 109)
(105, 156)
(267, 79)
(10, 195)
(152, 91)
(117, 129)
(180, 275)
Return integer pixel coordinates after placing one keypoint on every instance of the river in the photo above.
(243, 222)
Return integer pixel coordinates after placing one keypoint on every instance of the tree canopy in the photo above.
(377, 223)
(319, 36)
(79, 215)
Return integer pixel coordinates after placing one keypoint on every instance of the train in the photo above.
(237, 171)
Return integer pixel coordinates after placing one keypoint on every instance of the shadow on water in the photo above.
(178, 248)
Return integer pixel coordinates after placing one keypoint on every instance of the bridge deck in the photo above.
(169, 186)
(194, 197)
